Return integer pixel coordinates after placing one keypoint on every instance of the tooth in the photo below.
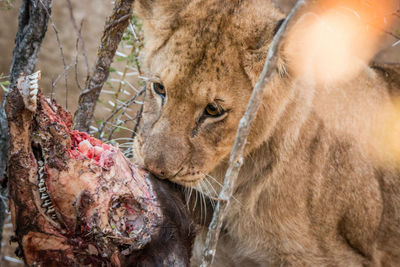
(40, 163)
(33, 98)
(54, 216)
(41, 180)
(47, 203)
(41, 184)
(33, 83)
(50, 210)
(33, 87)
(35, 75)
(33, 92)
(44, 196)
(42, 189)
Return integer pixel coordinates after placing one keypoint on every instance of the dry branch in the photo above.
(32, 26)
(112, 35)
(79, 34)
(65, 72)
(236, 158)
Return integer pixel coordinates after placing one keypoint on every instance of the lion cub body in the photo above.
(315, 189)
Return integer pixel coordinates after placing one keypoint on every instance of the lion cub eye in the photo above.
(159, 89)
(213, 110)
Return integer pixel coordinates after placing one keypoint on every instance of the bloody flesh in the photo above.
(77, 201)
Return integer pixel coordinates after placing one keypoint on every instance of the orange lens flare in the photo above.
(330, 46)
(335, 40)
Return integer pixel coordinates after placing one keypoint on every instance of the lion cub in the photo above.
(316, 188)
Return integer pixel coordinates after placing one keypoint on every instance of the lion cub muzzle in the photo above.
(164, 154)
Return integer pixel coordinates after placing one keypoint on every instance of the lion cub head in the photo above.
(202, 59)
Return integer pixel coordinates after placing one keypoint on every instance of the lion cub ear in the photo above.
(254, 57)
(256, 23)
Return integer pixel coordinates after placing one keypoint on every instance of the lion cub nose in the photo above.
(155, 168)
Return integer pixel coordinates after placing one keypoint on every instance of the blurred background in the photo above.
(117, 110)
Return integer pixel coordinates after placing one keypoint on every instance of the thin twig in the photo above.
(52, 90)
(139, 45)
(138, 118)
(236, 158)
(110, 40)
(78, 32)
(62, 55)
(120, 84)
(76, 61)
(395, 36)
(135, 45)
(118, 126)
(54, 83)
(126, 104)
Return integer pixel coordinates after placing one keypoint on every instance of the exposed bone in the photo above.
(27, 85)
(46, 204)
(50, 210)
(44, 196)
(34, 92)
(33, 99)
(35, 76)
(33, 86)
(42, 189)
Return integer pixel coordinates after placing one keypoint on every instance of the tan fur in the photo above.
(315, 188)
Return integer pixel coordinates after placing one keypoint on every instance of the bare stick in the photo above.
(32, 26)
(123, 106)
(76, 56)
(62, 56)
(78, 32)
(120, 84)
(112, 35)
(236, 157)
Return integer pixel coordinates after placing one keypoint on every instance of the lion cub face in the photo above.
(199, 85)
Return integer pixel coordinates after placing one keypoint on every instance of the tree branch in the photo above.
(236, 157)
(80, 39)
(112, 35)
(32, 26)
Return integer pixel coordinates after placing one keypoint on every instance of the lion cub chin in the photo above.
(318, 187)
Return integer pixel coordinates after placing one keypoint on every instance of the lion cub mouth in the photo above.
(187, 180)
